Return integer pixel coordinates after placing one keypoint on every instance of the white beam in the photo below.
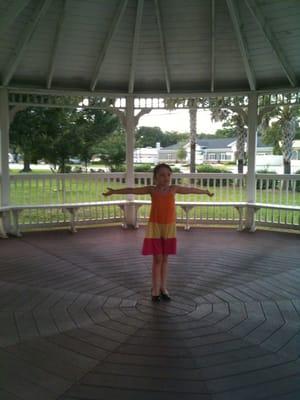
(25, 39)
(113, 29)
(136, 41)
(4, 147)
(130, 215)
(237, 24)
(263, 25)
(251, 148)
(57, 37)
(213, 46)
(162, 45)
(15, 7)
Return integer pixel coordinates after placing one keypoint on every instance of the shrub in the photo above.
(118, 168)
(262, 183)
(298, 182)
(143, 168)
(211, 169)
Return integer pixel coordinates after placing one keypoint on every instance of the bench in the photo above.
(71, 208)
(4, 210)
(187, 206)
(257, 206)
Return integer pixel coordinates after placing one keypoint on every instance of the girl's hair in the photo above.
(158, 167)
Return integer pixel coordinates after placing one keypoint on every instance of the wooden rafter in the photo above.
(57, 38)
(14, 8)
(268, 34)
(236, 21)
(103, 52)
(162, 45)
(24, 39)
(135, 47)
(213, 46)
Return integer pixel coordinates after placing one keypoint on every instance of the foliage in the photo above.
(181, 153)
(211, 169)
(143, 168)
(27, 134)
(298, 182)
(147, 136)
(56, 134)
(112, 150)
(91, 127)
(272, 136)
(262, 183)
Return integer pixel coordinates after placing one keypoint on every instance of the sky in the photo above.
(178, 120)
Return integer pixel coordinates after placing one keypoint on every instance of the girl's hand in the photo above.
(109, 192)
(210, 194)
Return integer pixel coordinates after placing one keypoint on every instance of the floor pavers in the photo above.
(77, 321)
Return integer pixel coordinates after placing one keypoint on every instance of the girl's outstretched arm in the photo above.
(193, 190)
(139, 190)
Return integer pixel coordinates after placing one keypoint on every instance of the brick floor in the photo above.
(76, 320)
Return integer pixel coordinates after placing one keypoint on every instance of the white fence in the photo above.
(73, 188)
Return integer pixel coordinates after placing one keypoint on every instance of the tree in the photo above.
(92, 126)
(235, 116)
(287, 120)
(192, 105)
(149, 136)
(282, 127)
(60, 137)
(27, 135)
(271, 136)
(181, 153)
(112, 150)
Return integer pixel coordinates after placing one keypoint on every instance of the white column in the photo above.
(130, 215)
(252, 140)
(4, 147)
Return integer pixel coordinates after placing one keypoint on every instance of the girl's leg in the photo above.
(164, 274)
(156, 274)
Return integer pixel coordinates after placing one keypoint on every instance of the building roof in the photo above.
(150, 46)
(218, 143)
(215, 143)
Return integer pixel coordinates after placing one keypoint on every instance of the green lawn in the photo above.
(52, 190)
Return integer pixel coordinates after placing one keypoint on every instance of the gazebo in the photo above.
(130, 56)
(133, 55)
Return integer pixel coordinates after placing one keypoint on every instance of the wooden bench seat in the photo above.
(186, 206)
(71, 208)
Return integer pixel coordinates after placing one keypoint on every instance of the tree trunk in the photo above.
(240, 147)
(286, 166)
(240, 166)
(193, 135)
(26, 162)
(288, 134)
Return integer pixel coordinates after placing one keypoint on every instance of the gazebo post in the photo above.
(130, 214)
(4, 148)
(252, 139)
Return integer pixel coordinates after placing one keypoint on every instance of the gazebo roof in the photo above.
(150, 46)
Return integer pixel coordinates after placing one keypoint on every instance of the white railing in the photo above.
(278, 189)
(81, 187)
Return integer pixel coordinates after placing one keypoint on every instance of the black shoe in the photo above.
(165, 296)
(155, 299)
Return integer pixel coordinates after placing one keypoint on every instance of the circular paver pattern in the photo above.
(77, 321)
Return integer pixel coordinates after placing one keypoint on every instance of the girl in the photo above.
(160, 239)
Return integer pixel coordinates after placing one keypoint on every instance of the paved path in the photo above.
(76, 320)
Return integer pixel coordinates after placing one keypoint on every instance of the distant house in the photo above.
(207, 150)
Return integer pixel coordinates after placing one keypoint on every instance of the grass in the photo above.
(51, 190)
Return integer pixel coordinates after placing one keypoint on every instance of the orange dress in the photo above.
(161, 229)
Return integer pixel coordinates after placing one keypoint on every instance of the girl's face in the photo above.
(163, 177)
